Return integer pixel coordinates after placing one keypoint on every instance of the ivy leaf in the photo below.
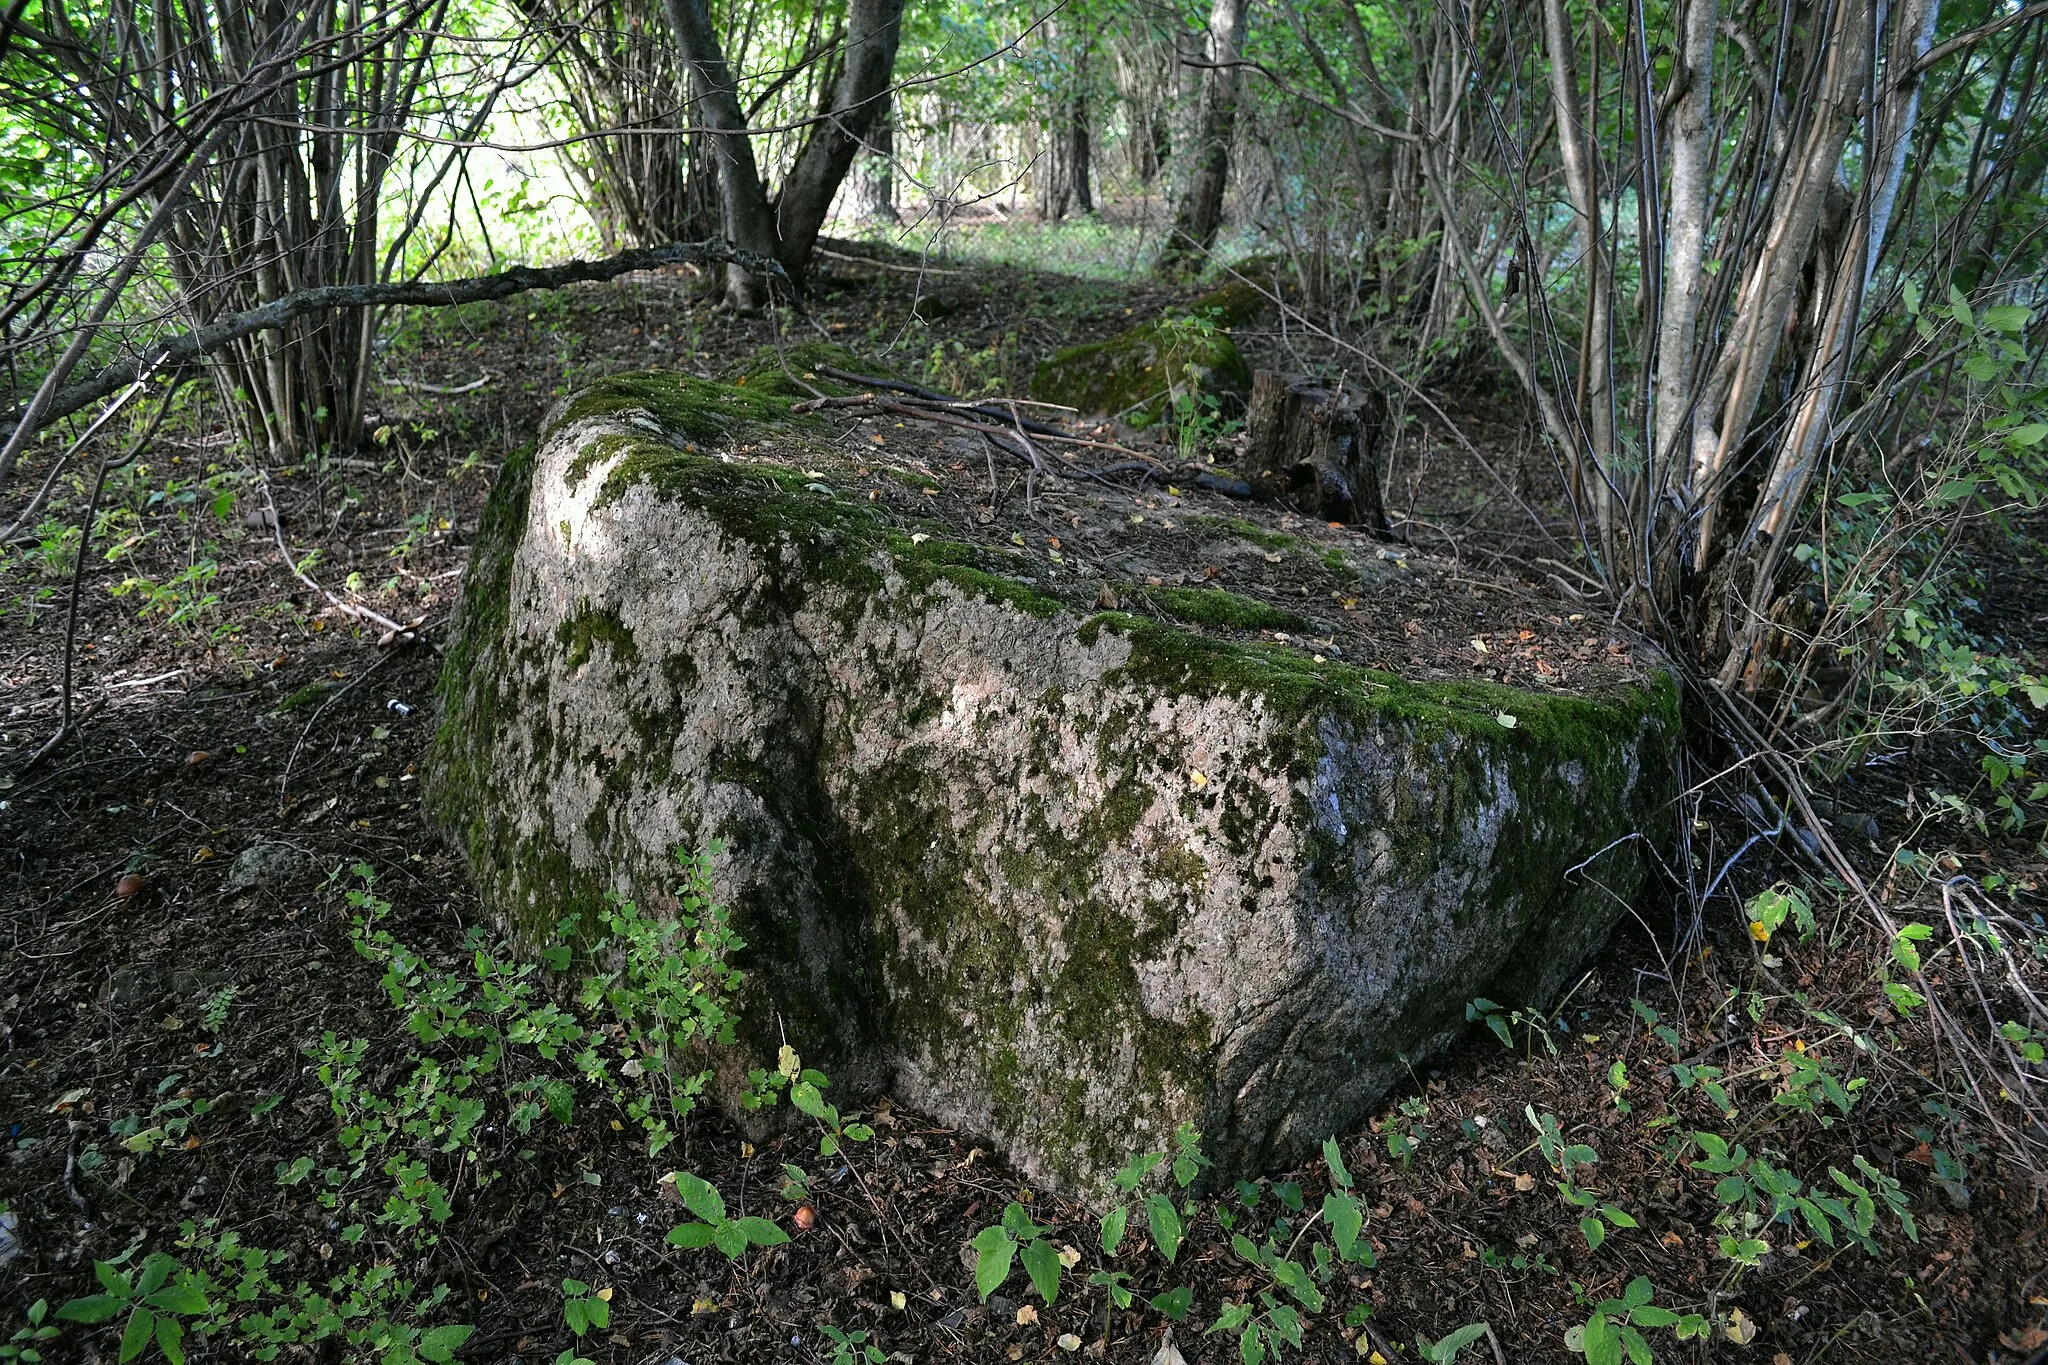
(1346, 1220)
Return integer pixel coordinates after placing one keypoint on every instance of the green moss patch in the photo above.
(1222, 610)
(1138, 374)
(686, 408)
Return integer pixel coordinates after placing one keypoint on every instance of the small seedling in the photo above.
(730, 1235)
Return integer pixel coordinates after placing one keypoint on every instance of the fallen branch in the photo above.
(393, 631)
(183, 349)
(933, 396)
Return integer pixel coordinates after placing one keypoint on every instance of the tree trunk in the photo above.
(873, 28)
(748, 220)
(1201, 207)
(1315, 452)
(875, 181)
(1079, 151)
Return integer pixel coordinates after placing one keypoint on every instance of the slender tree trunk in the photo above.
(1827, 370)
(1685, 235)
(1079, 152)
(875, 180)
(873, 28)
(1201, 207)
(1582, 184)
(748, 220)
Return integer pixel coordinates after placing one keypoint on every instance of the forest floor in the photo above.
(176, 940)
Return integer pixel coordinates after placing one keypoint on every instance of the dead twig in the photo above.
(394, 633)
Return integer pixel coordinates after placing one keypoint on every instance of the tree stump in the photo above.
(1317, 452)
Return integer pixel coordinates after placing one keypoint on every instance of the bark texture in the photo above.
(1317, 451)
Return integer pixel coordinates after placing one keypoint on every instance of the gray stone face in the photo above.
(1067, 879)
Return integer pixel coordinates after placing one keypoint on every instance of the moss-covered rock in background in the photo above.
(1066, 878)
(1138, 374)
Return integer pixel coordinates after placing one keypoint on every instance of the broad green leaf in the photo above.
(1173, 1303)
(1113, 1228)
(1639, 1291)
(731, 1239)
(700, 1198)
(1346, 1220)
(183, 1298)
(691, 1236)
(439, 1344)
(2009, 317)
(1617, 1216)
(1334, 1159)
(1649, 1315)
(805, 1096)
(1447, 1349)
(1042, 1264)
(992, 1265)
(156, 1268)
(1165, 1222)
(1603, 1343)
(760, 1231)
(1595, 1232)
(170, 1339)
(141, 1332)
(95, 1308)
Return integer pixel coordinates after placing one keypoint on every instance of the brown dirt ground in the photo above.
(290, 726)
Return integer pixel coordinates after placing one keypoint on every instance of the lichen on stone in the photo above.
(1063, 876)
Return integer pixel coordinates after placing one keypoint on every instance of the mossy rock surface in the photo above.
(1138, 374)
(1061, 876)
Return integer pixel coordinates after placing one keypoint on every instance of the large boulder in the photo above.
(1062, 875)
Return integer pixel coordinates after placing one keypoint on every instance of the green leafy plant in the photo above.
(154, 1297)
(25, 1343)
(998, 1247)
(1404, 1130)
(1445, 1349)
(1567, 1159)
(1616, 1326)
(1756, 1194)
(666, 986)
(732, 1236)
(1260, 1327)
(850, 1348)
(584, 1307)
